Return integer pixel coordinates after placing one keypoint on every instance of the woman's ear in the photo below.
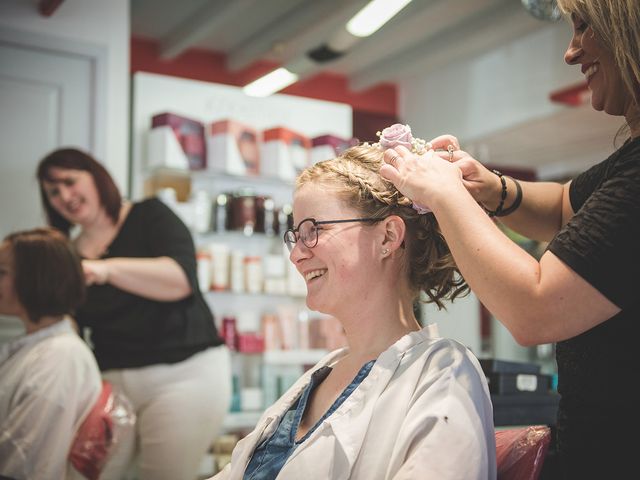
(394, 233)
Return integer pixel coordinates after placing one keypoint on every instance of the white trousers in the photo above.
(180, 408)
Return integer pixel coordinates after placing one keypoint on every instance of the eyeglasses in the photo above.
(307, 231)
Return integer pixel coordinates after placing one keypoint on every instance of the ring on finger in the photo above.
(450, 149)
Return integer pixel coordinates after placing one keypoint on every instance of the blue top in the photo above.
(269, 457)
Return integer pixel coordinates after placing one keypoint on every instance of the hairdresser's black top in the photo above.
(598, 370)
(130, 331)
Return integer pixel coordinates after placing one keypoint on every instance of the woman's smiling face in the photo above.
(608, 91)
(338, 271)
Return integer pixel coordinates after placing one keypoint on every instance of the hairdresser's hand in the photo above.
(96, 272)
(426, 179)
(483, 185)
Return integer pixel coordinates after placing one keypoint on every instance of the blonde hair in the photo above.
(617, 25)
(355, 177)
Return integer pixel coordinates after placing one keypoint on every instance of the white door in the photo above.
(46, 101)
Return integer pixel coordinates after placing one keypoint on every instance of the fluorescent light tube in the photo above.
(375, 14)
(270, 83)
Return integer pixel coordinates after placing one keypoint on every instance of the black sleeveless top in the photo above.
(129, 331)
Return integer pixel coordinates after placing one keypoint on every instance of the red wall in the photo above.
(209, 66)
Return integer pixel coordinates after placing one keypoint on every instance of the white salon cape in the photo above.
(423, 412)
(49, 381)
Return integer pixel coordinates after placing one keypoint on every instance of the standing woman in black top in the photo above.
(583, 293)
(152, 332)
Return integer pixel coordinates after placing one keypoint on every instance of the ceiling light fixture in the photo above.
(375, 14)
(270, 83)
(369, 19)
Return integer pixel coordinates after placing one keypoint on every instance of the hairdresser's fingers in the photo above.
(391, 157)
(391, 173)
(443, 141)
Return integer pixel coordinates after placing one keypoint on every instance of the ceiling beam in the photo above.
(491, 29)
(292, 29)
(420, 22)
(215, 14)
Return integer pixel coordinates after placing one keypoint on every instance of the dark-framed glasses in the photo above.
(307, 230)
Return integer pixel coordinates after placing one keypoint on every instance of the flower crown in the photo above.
(399, 134)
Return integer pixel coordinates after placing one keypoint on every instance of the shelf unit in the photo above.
(207, 102)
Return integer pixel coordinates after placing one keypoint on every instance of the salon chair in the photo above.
(520, 452)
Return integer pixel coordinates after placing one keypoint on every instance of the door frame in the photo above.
(97, 57)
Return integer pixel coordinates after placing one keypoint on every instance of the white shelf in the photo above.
(218, 175)
(293, 357)
(209, 175)
(224, 294)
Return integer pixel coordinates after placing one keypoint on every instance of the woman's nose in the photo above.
(64, 193)
(299, 252)
(574, 50)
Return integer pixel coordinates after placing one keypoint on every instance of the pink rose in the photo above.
(395, 135)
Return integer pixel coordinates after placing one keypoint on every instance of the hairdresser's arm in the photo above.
(545, 206)
(158, 278)
(544, 209)
(539, 302)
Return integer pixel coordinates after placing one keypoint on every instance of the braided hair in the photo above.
(355, 177)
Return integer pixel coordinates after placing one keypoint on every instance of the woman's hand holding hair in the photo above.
(157, 278)
(425, 179)
(96, 272)
(483, 185)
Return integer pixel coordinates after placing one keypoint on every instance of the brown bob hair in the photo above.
(48, 278)
(74, 159)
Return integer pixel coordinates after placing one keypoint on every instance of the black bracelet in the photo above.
(516, 203)
(498, 211)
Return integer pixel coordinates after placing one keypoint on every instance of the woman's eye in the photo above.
(580, 25)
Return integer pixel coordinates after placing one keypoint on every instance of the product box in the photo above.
(233, 148)
(533, 409)
(326, 147)
(518, 383)
(493, 365)
(188, 134)
(250, 343)
(284, 153)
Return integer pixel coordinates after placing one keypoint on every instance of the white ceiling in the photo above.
(425, 35)
(284, 31)
(557, 146)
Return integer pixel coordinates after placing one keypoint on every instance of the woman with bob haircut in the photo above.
(49, 379)
(152, 332)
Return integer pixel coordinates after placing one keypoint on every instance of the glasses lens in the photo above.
(290, 239)
(308, 233)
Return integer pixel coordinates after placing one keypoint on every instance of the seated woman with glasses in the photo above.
(400, 401)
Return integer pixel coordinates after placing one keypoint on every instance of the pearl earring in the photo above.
(385, 251)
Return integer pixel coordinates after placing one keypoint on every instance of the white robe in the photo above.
(423, 412)
(49, 381)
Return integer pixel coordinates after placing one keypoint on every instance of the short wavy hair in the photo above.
(48, 276)
(355, 177)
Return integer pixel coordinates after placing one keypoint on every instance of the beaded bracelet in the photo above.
(516, 202)
(498, 211)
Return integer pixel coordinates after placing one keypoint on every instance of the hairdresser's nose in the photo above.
(574, 50)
